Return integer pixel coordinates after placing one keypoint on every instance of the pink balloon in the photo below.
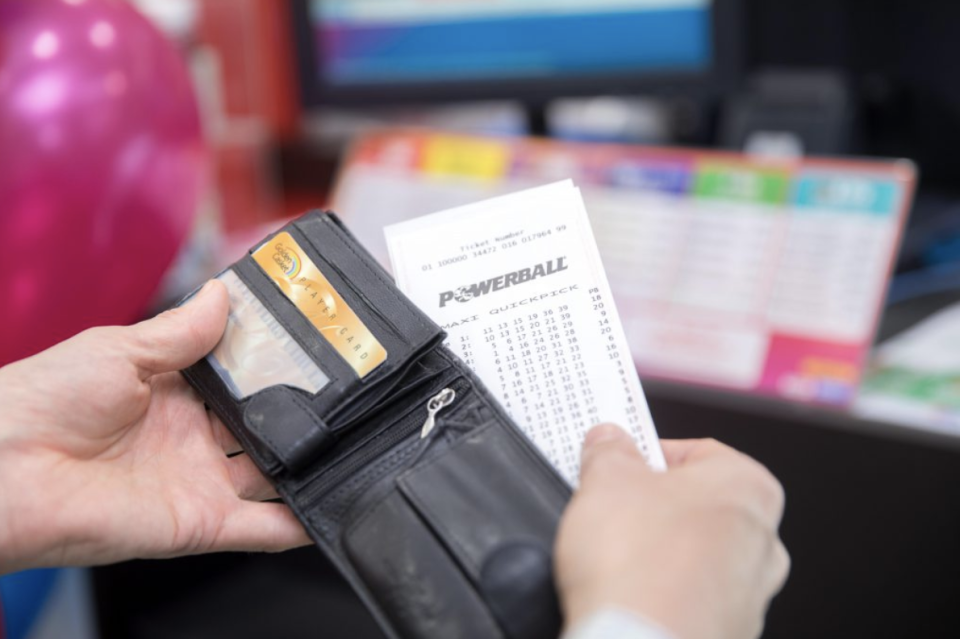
(101, 165)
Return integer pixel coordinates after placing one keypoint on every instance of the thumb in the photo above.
(180, 337)
(609, 451)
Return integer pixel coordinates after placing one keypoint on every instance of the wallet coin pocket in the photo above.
(477, 500)
(412, 578)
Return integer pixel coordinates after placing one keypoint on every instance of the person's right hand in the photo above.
(694, 549)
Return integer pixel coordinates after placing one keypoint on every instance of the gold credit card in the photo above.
(301, 281)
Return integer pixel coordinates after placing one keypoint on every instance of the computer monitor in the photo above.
(407, 51)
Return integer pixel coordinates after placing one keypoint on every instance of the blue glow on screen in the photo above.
(398, 41)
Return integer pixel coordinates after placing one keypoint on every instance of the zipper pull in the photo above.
(434, 406)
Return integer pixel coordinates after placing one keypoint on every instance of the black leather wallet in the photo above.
(444, 531)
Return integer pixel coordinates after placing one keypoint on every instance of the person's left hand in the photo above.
(106, 453)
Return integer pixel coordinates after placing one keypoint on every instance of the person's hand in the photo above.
(106, 454)
(694, 549)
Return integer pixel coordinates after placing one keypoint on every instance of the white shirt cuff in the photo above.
(616, 624)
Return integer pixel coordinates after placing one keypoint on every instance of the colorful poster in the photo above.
(727, 271)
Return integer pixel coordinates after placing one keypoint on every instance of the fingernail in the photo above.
(203, 290)
(604, 433)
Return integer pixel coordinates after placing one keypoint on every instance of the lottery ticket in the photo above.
(518, 284)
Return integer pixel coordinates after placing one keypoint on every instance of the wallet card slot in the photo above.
(419, 373)
(404, 341)
(344, 385)
(363, 275)
(385, 332)
(389, 333)
(403, 329)
(298, 327)
(256, 352)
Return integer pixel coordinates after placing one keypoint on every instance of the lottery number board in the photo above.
(727, 271)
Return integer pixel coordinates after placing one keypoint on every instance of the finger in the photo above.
(179, 337)
(772, 494)
(684, 452)
(781, 566)
(678, 451)
(224, 438)
(248, 481)
(775, 570)
(608, 448)
(256, 527)
(675, 450)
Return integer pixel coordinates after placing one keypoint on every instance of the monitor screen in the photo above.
(397, 42)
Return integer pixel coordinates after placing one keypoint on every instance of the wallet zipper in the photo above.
(440, 401)
(392, 437)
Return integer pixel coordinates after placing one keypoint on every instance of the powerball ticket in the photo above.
(518, 285)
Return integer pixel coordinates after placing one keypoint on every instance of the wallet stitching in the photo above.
(359, 483)
(373, 471)
(371, 474)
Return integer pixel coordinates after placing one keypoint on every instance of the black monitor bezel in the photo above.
(723, 75)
